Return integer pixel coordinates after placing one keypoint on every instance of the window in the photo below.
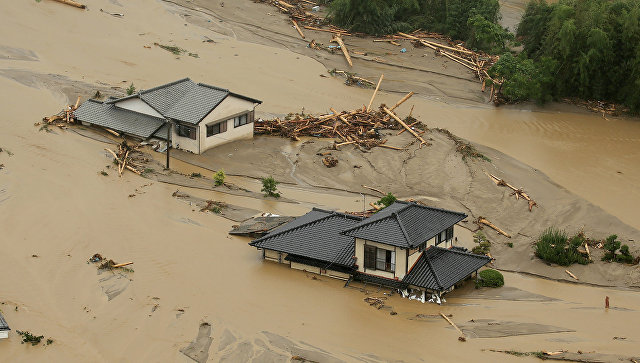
(241, 120)
(186, 131)
(445, 235)
(215, 129)
(379, 259)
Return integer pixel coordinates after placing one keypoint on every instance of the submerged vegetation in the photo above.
(555, 246)
(473, 21)
(30, 338)
(270, 187)
(588, 49)
(218, 177)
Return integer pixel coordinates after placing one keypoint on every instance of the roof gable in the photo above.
(439, 268)
(405, 224)
(314, 235)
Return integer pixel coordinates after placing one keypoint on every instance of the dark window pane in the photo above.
(369, 256)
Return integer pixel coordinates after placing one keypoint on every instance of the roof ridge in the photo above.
(369, 221)
(139, 113)
(213, 87)
(433, 208)
(404, 231)
(433, 270)
(164, 85)
(464, 253)
(290, 230)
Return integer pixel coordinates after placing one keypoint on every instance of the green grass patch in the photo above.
(172, 48)
(555, 246)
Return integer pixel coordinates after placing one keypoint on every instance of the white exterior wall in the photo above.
(185, 143)
(138, 105)
(4, 334)
(225, 112)
(275, 256)
(413, 258)
(400, 259)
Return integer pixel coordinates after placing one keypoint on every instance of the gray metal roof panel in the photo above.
(196, 104)
(3, 323)
(439, 268)
(317, 236)
(405, 224)
(118, 119)
(311, 216)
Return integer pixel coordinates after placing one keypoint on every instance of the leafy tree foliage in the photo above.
(474, 21)
(270, 187)
(592, 47)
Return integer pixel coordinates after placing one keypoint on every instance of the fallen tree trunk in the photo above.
(422, 141)
(338, 40)
(462, 338)
(482, 220)
(72, 3)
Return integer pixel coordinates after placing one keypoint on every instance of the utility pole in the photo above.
(168, 141)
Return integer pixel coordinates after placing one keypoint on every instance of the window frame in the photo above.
(237, 121)
(372, 261)
(222, 127)
(186, 131)
(445, 235)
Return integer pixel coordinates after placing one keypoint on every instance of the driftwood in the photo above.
(375, 92)
(295, 25)
(461, 338)
(72, 3)
(338, 40)
(123, 157)
(374, 189)
(518, 192)
(393, 115)
(570, 274)
(484, 221)
(122, 264)
(402, 100)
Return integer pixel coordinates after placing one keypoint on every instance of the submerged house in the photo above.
(200, 116)
(402, 246)
(4, 328)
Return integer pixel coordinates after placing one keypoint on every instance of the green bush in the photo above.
(131, 89)
(555, 247)
(270, 187)
(218, 177)
(386, 201)
(624, 256)
(611, 244)
(490, 278)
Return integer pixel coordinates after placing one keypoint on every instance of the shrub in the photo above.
(131, 89)
(218, 177)
(386, 201)
(510, 244)
(270, 187)
(483, 246)
(196, 175)
(624, 256)
(490, 278)
(555, 247)
(27, 337)
(611, 244)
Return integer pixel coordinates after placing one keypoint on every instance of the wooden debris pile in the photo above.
(359, 127)
(466, 149)
(107, 264)
(518, 192)
(329, 161)
(376, 302)
(128, 157)
(60, 119)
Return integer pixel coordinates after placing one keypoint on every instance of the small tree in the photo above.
(483, 246)
(387, 200)
(218, 177)
(131, 89)
(611, 245)
(625, 255)
(270, 187)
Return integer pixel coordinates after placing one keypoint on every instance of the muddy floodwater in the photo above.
(195, 293)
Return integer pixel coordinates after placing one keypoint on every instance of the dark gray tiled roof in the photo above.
(3, 323)
(439, 268)
(118, 119)
(315, 235)
(184, 100)
(377, 280)
(405, 224)
(161, 133)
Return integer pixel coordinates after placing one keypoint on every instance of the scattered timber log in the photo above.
(374, 189)
(375, 92)
(461, 338)
(393, 115)
(125, 158)
(570, 274)
(517, 192)
(338, 39)
(374, 206)
(402, 100)
(122, 264)
(295, 25)
(484, 221)
(72, 3)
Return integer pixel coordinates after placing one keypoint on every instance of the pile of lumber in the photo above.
(128, 157)
(478, 62)
(359, 127)
(61, 118)
(517, 192)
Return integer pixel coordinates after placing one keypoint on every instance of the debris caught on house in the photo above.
(128, 157)
(61, 118)
(259, 226)
(518, 192)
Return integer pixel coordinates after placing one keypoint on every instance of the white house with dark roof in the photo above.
(201, 116)
(402, 246)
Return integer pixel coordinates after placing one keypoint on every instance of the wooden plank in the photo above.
(405, 125)
(72, 3)
(570, 274)
(122, 264)
(295, 25)
(375, 92)
(338, 40)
